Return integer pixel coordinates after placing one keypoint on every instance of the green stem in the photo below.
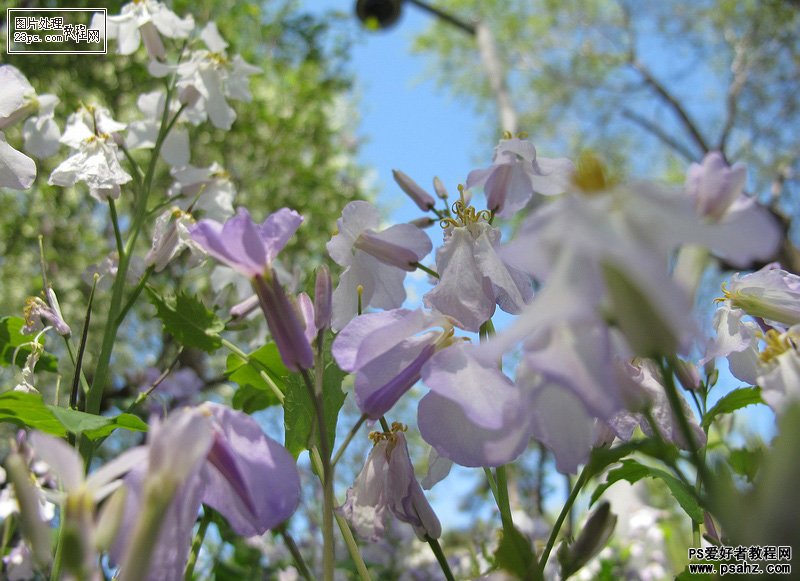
(197, 542)
(315, 393)
(71, 352)
(55, 570)
(73, 396)
(582, 479)
(502, 497)
(348, 439)
(352, 547)
(302, 568)
(683, 423)
(115, 224)
(439, 554)
(347, 534)
(134, 295)
(385, 424)
(424, 268)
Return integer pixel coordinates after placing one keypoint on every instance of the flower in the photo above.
(40, 132)
(95, 163)
(17, 96)
(212, 77)
(17, 170)
(144, 133)
(619, 238)
(247, 248)
(387, 484)
(143, 20)
(226, 462)
(208, 189)
(170, 238)
(516, 173)
(472, 277)
(387, 351)
(714, 185)
(771, 293)
(90, 121)
(420, 197)
(375, 261)
(36, 309)
(474, 414)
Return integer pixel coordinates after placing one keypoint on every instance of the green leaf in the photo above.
(299, 416)
(94, 427)
(633, 471)
(733, 401)
(603, 457)
(29, 410)
(188, 320)
(250, 399)
(746, 462)
(514, 554)
(254, 393)
(11, 337)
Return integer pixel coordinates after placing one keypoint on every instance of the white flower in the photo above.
(143, 134)
(17, 96)
(89, 121)
(41, 132)
(170, 238)
(210, 189)
(17, 170)
(214, 76)
(95, 163)
(143, 20)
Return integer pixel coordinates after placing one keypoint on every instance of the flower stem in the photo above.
(667, 374)
(197, 542)
(348, 439)
(112, 208)
(582, 478)
(439, 554)
(424, 268)
(315, 393)
(302, 568)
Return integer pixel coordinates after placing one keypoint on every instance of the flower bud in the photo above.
(423, 222)
(283, 322)
(419, 196)
(323, 298)
(386, 251)
(438, 187)
(591, 540)
(244, 308)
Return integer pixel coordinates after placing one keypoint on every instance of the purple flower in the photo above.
(516, 173)
(714, 185)
(473, 278)
(246, 247)
(474, 415)
(376, 261)
(37, 310)
(387, 351)
(387, 484)
(224, 461)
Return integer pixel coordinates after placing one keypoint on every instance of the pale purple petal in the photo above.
(445, 426)
(62, 459)
(462, 291)
(512, 288)
(277, 229)
(561, 422)
(250, 478)
(406, 500)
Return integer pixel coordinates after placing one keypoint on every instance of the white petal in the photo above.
(17, 170)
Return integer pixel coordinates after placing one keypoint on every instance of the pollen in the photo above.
(465, 214)
(776, 344)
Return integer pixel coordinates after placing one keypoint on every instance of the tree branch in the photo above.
(672, 102)
(660, 133)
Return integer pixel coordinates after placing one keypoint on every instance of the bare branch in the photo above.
(660, 133)
(673, 103)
